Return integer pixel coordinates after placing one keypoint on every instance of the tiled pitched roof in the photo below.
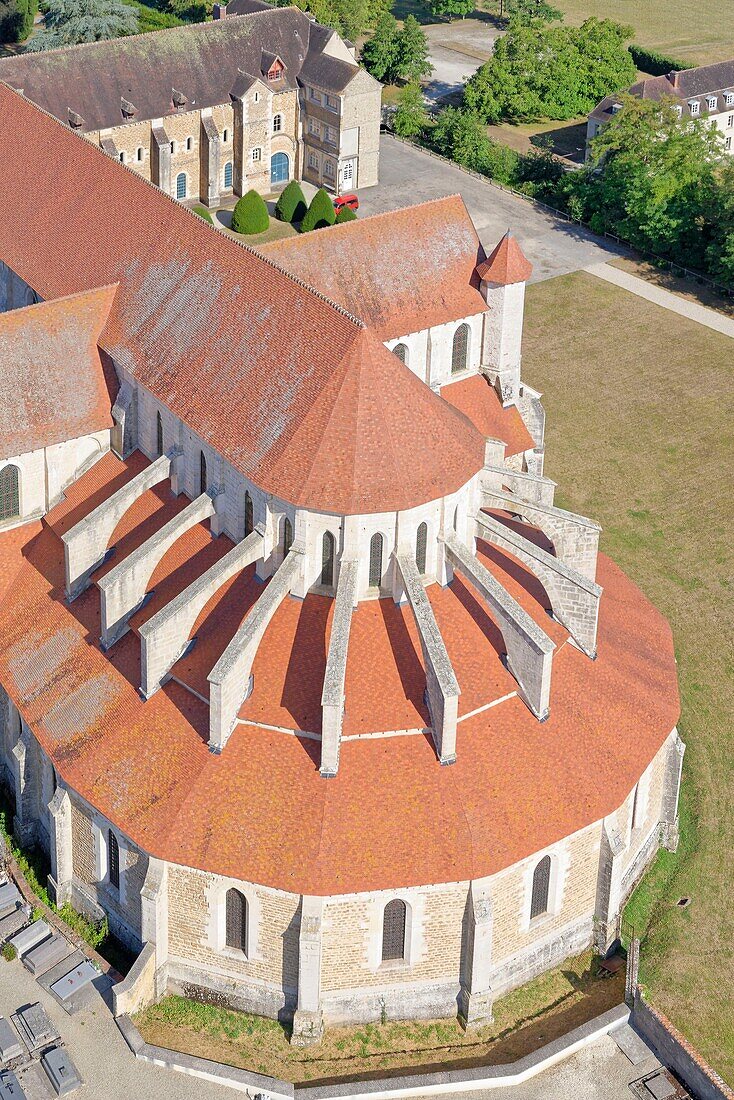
(704, 81)
(393, 816)
(201, 61)
(53, 385)
(243, 352)
(477, 400)
(507, 264)
(400, 272)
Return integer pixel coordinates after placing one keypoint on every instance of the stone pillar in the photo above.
(475, 996)
(62, 861)
(178, 471)
(154, 919)
(671, 792)
(308, 1021)
(502, 337)
(24, 825)
(239, 147)
(209, 160)
(608, 887)
(160, 156)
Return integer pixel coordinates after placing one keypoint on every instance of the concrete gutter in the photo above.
(382, 1088)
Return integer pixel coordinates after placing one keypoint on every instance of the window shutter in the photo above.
(375, 561)
(236, 920)
(9, 492)
(393, 930)
(541, 887)
(421, 539)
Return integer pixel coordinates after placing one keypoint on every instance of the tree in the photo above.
(346, 214)
(411, 116)
(250, 215)
(69, 22)
(412, 53)
(16, 19)
(555, 72)
(532, 11)
(380, 52)
(654, 180)
(451, 8)
(720, 252)
(291, 205)
(320, 213)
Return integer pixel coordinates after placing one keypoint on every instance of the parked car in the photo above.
(349, 200)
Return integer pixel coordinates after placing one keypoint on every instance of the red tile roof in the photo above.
(393, 816)
(237, 348)
(477, 400)
(53, 386)
(507, 264)
(400, 272)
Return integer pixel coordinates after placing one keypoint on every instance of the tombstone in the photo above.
(9, 1043)
(41, 958)
(30, 937)
(10, 1087)
(12, 922)
(66, 986)
(62, 1073)
(10, 898)
(34, 1026)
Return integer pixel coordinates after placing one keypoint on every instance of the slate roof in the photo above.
(53, 384)
(200, 60)
(393, 816)
(401, 271)
(244, 353)
(699, 83)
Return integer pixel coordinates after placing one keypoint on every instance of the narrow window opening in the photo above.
(327, 559)
(421, 540)
(236, 921)
(158, 434)
(376, 550)
(249, 524)
(460, 350)
(541, 888)
(202, 472)
(113, 859)
(393, 930)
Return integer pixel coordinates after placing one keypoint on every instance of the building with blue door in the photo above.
(287, 100)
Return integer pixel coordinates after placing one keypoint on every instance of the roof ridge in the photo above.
(59, 300)
(179, 206)
(146, 34)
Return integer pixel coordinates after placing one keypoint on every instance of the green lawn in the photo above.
(641, 437)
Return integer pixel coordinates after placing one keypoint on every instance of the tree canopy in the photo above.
(558, 72)
(350, 17)
(531, 11)
(393, 53)
(411, 116)
(16, 19)
(451, 8)
(68, 22)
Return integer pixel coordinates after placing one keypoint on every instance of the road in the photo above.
(456, 50)
(409, 175)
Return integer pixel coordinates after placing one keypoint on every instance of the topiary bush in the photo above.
(291, 206)
(320, 213)
(250, 215)
(346, 214)
(203, 214)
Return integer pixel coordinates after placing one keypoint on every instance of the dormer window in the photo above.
(678, 110)
(275, 71)
(178, 99)
(127, 109)
(729, 99)
(616, 108)
(712, 101)
(695, 107)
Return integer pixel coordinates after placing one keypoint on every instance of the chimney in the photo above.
(220, 11)
(673, 77)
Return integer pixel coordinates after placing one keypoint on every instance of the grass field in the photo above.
(525, 1020)
(641, 437)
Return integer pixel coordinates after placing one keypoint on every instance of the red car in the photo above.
(350, 200)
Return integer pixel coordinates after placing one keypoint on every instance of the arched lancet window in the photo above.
(158, 434)
(141, 153)
(287, 536)
(181, 185)
(9, 492)
(113, 859)
(393, 930)
(228, 176)
(401, 350)
(541, 888)
(249, 518)
(202, 472)
(236, 921)
(456, 518)
(327, 558)
(460, 350)
(277, 123)
(376, 545)
(189, 144)
(421, 540)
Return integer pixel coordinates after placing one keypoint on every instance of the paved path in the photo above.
(456, 50)
(665, 298)
(409, 175)
(109, 1070)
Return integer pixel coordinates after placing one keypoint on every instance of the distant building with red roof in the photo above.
(305, 680)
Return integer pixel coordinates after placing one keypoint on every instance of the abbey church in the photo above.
(306, 681)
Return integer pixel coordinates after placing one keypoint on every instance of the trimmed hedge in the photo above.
(250, 215)
(346, 214)
(654, 62)
(291, 206)
(320, 213)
